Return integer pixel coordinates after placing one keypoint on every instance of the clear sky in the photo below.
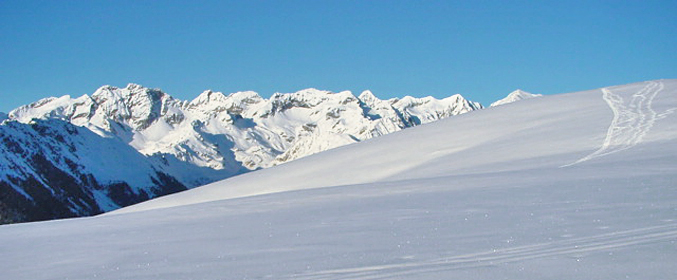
(481, 49)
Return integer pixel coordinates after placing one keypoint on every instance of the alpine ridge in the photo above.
(174, 144)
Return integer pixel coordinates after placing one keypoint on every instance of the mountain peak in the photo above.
(312, 91)
(132, 89)
(133, 86)
(244, 94)
(208, 96)
(516, 95)
(368, 97)
(521, 93)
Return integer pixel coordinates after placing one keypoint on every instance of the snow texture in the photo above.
(572, 186)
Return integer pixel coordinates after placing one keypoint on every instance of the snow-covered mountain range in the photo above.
(120, 146)
(571, 186)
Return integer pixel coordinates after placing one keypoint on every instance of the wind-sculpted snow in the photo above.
(478, 196)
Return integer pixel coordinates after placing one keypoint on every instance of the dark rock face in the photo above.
(41, 179)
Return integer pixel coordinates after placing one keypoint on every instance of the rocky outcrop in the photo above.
(52, 169)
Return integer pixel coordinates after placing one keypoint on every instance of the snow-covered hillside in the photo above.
(514, 96)
(573, 186)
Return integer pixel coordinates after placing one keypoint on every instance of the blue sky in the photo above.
(481, 49)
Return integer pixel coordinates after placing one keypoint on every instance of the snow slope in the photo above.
(514, 96)
(572, 186)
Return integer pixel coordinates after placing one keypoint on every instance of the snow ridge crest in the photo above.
(514, 96)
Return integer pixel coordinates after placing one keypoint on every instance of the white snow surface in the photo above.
(571, 186)
(514, 96)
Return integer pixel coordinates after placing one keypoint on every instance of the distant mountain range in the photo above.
(66, 157)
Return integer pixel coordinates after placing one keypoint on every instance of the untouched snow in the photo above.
(514, 96)
(572, 186)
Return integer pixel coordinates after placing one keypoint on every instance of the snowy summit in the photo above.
(514, 96)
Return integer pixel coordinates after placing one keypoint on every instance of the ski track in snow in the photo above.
(575, 248)
(633, 118)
